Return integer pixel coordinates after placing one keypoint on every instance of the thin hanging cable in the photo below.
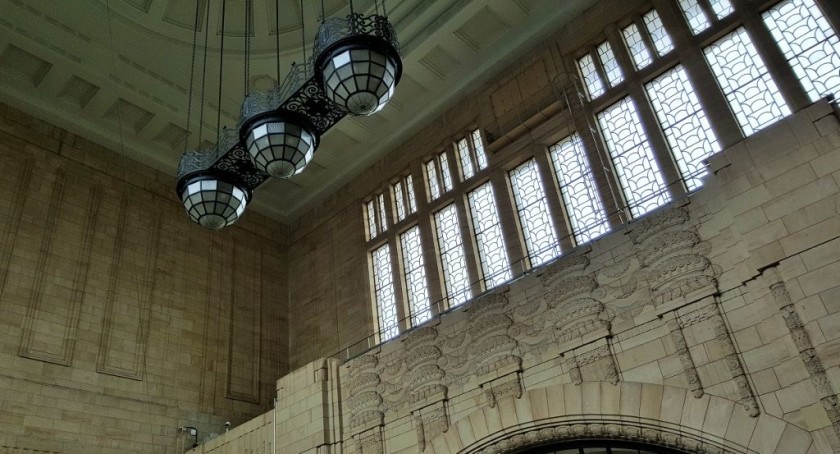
(221, 69)
(203, 75)
(192, 74)
(384, 13)
(247, 47)
(376, 7)
(303, 34)
(351, 8)
(277, 36)
(323, 12)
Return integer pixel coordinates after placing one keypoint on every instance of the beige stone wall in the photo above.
(120, 320)
(707, 326)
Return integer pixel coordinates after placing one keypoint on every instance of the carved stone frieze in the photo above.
(687, 363)
(805, 347)
(365, 401)
(429, 422)
(369, 441)
(730, 356)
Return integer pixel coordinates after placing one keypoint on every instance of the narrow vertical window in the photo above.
(383, 223)
(404, 199)
(375, 214)
(694, 14)
(416, 286)
(722, 8)
(591, 78)
(383, 291)
(636, 45)
(658, 35)
(610, 64)
(632, 156)
(534, 217)
(488, 236)
(752, 94)
(438, 176)
(370, 214)
(580, 195)
(684, 124)
(809, 44)
(452, 259)
(478, 148)
(467, 169)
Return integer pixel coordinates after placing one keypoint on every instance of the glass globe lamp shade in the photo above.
(211, 201)
(360, 74)
(279, 146)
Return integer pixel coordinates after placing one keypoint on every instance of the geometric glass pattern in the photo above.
(438, 176)
(416, 288)
(636, 45)
(534, 217)
(478, 147)
(658, 35)
(639, 174)
(361, 80)
(697, 19)
(280, 148)
(488, 236)
(404, 198)
(452, 259)
(809, 44)
(214, 203)
(610, 64)
(722, 8)
(580, 194)
(383, 290)
(375, 214)
(684, 124)
(752, 94)
(594, 85)
(467, 169)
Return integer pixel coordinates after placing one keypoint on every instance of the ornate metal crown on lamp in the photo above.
(355, 69)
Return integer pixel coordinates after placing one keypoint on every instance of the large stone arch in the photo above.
(640, 412)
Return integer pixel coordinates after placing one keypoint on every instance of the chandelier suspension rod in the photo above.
(277, 37)
(221, 72)
(323, 12)
(192, 76)
(247, 81)
(303, 34)
(203, 76)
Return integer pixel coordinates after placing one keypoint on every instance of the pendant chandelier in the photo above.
(355, 67)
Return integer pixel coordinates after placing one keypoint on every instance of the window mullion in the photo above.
(645, 34)
(691, 56)
(469, 243)
(556, 207)
(777, 65)
(650, 124)
(708, 11)
(403, 319)
(831, 10)
(427, 238)
(599, 68)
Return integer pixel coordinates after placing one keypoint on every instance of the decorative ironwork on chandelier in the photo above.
(355, 67)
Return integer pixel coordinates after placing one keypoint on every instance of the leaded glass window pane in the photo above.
(446, 174)
(722, 8)
(412, 201)
(452, 259)
(467, 169)
(752, 94)
(684, 123)
(432, 179)
(697, 19)
(594, 85)
(370, 209)
(383, 290)
(400, 201)
(660, 37)
(809, 44)
(488, 236)
(534, 217)
(638, 172)
(416, 285)
(478, 146)
(580, 194)
(610, 64)
(383, 223)
(636, 45)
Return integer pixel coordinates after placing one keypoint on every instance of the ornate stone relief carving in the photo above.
(674, 258)
(369, 441)
(805, 347)
(364, 401)
(689, 369)
(745, 394)
(426, 393)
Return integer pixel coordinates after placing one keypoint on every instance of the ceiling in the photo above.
(118, 72)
